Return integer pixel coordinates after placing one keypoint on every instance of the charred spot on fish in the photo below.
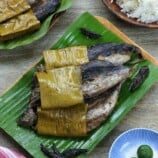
(95, 68)
(139, 78)
(90, 34)
(108, 49)
(130, 48)
(35, 96)
(28, 118)
(43, 9)
(35, 93)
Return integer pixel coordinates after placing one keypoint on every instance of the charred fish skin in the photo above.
(116, 53)
(139, 78)
(99, 113)
(99, 76)
(90, 34)
(43, 8)
(28, 118)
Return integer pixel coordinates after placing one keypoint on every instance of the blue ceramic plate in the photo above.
(126, 145)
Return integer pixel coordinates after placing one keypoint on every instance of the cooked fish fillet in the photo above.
(92, 102)
(102, 109)
(99, 76)
(115, 53)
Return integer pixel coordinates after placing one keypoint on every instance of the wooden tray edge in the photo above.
(125, 38)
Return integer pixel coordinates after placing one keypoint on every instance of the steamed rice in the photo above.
(145, 11)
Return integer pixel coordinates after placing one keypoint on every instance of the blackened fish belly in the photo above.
(73, 85)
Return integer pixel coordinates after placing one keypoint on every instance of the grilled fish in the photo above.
(43, 8)
(115, 53)
(102, 108)
(98, 77)
(98, 111)
(78, 55)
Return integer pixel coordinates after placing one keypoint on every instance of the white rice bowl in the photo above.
(145, 11)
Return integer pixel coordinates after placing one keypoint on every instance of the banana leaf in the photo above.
(32, 37)
(14, 101)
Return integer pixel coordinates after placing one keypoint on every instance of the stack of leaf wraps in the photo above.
(62, 111)
(16, 19)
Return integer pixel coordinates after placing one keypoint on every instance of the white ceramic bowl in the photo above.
(126, 145)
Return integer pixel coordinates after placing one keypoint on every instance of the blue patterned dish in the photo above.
(126, 145)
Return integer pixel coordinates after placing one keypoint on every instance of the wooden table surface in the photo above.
(13, 63)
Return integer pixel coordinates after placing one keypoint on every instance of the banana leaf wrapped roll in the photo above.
(12, 8)
(60, 87)
(19, 25)
(76, 55)
(67, 122)
(67, 86)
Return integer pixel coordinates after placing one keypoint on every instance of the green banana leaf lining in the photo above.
(16, 99)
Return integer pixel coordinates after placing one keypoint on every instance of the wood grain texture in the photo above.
(125, 38)
(14, 63)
